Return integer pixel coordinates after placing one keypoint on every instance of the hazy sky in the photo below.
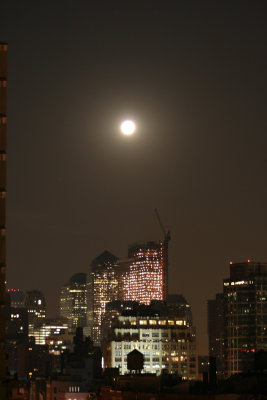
(191, 74)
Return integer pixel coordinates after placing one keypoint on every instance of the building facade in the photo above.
(36, 307)
(16, 298)
(3, 120)
(166, 343)
(55, 327)
(103, 288)
(245, 315)
(145, 279)
(73, 301)
(216, 330)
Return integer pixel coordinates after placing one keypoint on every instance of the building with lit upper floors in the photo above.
(167, 343)
(245, 315)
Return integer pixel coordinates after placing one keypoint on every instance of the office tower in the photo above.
(3, 88)
(145, 279)
(16, 298)
(103, 288)
(36, 307)
(245, 315)
(113, 310)
(65, 303)
(167, 343)
(49, 327)
(16, 334)
(216, 330)
(17, 325)
(179, 306)
(73, 301)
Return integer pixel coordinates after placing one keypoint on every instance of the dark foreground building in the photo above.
(245, 313)
(3, 85)
(216, 330)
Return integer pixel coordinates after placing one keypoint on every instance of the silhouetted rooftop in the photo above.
(105, 258)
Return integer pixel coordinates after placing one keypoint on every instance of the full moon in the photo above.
(128, 127)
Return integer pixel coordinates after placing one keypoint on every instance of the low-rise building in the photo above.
(167, 343)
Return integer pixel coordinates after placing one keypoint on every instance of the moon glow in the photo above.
(128, 127)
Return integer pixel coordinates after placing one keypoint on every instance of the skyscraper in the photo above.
(245, 315)
(3, 88)
(216, 330)
(36, 308)
(103, 288)
(144, 280)
(73, 301)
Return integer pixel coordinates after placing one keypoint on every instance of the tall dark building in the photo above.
(179, 306)
(216, 330)
(16, 332)
(16, 298)
(245, 315)
(36, 307)
(3, 88)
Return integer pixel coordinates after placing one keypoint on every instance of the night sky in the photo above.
(191, 74)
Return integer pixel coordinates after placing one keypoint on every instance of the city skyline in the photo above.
(192, 77)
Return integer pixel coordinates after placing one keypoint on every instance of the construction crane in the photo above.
(167, 235)
(165, 247)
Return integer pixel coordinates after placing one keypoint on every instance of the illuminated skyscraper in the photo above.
(103, 288)
(145, 279)
(3, 88)
(73, 301)
(65, 303)
(245, 315)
